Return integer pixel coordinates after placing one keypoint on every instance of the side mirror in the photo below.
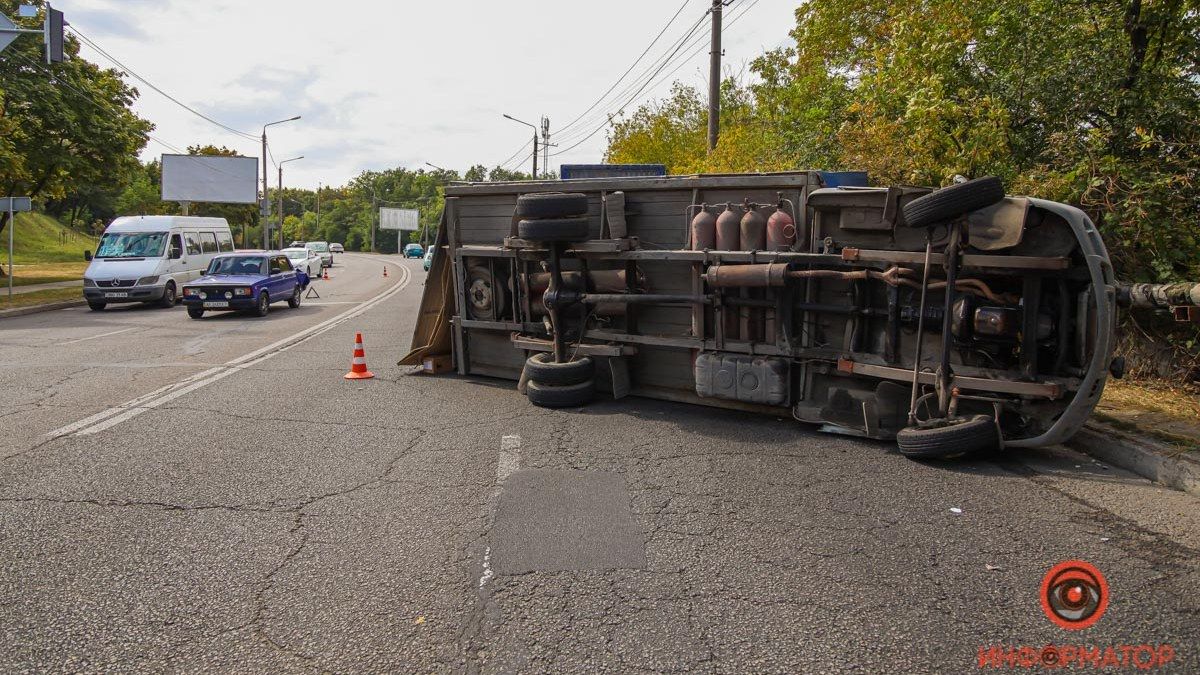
(276, 270)
(87, 255)
(176, 253)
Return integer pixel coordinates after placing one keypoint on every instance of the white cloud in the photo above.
(382, 84)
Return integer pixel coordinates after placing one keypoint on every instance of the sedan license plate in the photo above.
(216, 304)
(121, 294)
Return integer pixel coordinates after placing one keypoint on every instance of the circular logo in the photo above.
(1074, 594)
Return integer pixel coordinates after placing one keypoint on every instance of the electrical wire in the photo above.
(66, 82)
(680, 64)
(508, 161)
(150, 84)
(645, 51)
(638, 83)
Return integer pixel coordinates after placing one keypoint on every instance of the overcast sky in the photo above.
(383, 84)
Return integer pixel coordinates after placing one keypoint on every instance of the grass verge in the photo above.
(1167, 413)
(28, 274)
(40, 297)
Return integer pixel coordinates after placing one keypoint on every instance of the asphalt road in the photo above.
(192, 495)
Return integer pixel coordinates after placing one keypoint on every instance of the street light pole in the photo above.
(280, 167)
(265, 209)
(436, 166)
(318, 207)
(535, 140)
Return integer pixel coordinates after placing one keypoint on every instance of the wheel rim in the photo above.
(171, 294)
(262, 303)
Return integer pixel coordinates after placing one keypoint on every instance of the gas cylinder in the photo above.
(753, 228)
(704, 229)
(728, 229)
(781, 230)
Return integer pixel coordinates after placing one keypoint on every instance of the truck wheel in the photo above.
(953, 201)
(569, 396)
(542, 369)
(952, 438)
(96, 306)
(168, 296)
(196, 312)
(552, 205)
(294, 301)
(554, 229)
(264, 304)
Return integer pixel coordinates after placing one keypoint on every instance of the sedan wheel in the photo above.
(264, 304)
(294, 301)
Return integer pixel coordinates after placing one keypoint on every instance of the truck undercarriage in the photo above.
(952, 320)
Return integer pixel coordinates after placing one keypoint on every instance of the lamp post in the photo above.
(265, 210)
(436, 166)
(374, 213)
(280, 167)
(535, 140)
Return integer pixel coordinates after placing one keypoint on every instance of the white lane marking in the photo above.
(488, 574)
(96, 337)
(115, 415)
(510, 458)
(507, 463)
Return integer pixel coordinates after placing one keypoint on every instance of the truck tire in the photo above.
(956, 438)
(569, 396)
(953, 201)
(554, 229)
(552, 205)
(542, 369)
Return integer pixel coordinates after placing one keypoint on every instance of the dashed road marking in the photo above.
(507, 463)
(96, 337)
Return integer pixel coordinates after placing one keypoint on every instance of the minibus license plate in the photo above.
(121, 294)
(216, 304)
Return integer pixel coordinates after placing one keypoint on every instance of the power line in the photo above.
(645, 51)
(150, 84)
(680, 64)
(638, 82)
(514, 155)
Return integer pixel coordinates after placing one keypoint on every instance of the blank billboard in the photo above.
(210, 178)
(399, 219)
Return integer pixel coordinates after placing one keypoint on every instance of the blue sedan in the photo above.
(244, 281)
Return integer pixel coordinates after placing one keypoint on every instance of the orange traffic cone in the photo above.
(325, 274)
(385, 271)
(358, 364)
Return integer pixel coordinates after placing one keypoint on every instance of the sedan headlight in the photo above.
(189, 292)
(245, 292)
(203, 295)
(228, 295)
(148, 281)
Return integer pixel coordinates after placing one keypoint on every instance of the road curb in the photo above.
(34, 309)
(1148, 458)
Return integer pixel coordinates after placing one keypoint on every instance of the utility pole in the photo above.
(714, 77)
(545, 146)
(281, 196)
(318, 207)
(535, 154)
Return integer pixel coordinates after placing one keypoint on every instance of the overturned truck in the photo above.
(952, 320)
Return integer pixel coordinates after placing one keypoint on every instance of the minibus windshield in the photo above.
(132, 245)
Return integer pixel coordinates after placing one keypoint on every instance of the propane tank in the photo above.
(728, 229)
(781, 230)
(753, 228)
(704, 229)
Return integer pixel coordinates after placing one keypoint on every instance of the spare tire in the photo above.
(952, 438)
(953, 201)
(568, 396)
(554, 229)
(542, 369)
(552, 205)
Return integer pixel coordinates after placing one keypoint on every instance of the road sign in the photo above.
(399, 219)
(16, 204)
(6, 37)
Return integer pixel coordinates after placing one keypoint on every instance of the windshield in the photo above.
(318, 246)
(132, 245)
(237, 265)
(297, 255)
